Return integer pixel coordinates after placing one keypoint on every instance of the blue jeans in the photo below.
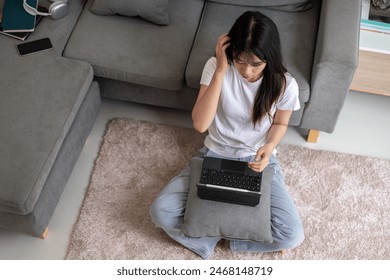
(167, 212)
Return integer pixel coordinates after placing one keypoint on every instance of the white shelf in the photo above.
(374, 41)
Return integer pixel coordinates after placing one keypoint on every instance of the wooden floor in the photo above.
(373, 73)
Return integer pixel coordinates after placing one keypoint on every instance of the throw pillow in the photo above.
(231, 221)
(280, 5)
(155, 11)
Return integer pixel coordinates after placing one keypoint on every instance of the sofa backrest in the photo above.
(285, 5)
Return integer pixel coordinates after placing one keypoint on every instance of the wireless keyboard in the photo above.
(242, 186)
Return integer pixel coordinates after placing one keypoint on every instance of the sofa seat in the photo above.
(33, 130)
(132, 50)
(298, 54)
(40, 137)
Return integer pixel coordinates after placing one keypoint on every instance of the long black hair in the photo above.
(255, 33)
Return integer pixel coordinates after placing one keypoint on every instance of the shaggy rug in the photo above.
(343, 199)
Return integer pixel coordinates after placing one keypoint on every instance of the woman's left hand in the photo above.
(261, 159)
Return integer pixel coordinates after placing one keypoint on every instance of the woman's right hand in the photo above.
(220, 53)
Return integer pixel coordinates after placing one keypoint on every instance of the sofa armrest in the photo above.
(335, 62)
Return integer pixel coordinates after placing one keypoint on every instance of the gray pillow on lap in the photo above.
(155, 11)
(231, 221)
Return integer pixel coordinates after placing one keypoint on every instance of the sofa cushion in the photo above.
(36, 113)
(298, 32)
(135, 51)
(213, 218)
(155, 11)
(281, 5)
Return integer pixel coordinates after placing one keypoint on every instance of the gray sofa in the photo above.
(50, 99)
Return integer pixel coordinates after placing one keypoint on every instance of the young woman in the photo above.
(245, 102)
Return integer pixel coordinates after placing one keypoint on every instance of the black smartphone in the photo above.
(34, 46)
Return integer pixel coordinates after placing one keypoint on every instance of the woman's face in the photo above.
(249, 66)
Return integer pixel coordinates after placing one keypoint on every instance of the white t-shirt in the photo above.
(232, 134)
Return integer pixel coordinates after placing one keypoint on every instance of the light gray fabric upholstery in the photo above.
(35, 122)
(335, 63)
(281, 5)
(213, 218)
(46, 111)
(183, 99)
(136, 51)
(36, 221)
(155, 11)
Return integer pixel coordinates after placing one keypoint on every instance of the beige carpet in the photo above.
(344, 200)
